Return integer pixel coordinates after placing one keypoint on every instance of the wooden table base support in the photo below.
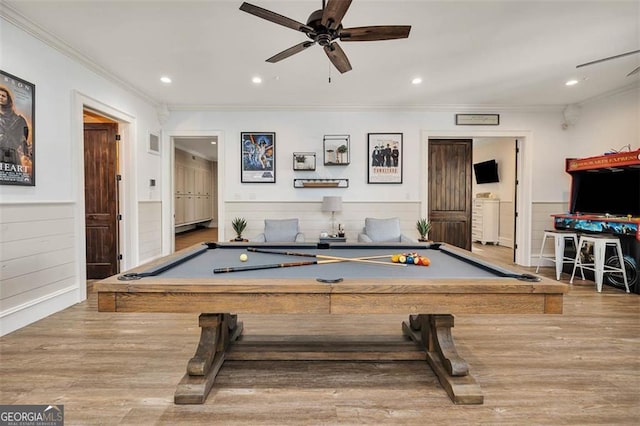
(217, 333)
(433, 333)
(430, 336)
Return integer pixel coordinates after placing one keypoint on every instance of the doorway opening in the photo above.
(511, 150)
(499, 196)
(195, 186)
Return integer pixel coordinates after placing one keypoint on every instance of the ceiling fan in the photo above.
(613, 57)
(324, 26)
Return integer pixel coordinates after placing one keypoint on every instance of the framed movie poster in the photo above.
(258, 157)
(17, 135)
(384, 157)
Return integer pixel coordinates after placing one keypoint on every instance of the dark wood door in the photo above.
(101, 199)
(450, 191)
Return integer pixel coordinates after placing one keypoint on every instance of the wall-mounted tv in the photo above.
(486, 172)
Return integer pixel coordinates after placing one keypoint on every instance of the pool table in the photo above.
(316, 279)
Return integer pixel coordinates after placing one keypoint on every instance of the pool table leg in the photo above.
(216, 334)
(433, 333)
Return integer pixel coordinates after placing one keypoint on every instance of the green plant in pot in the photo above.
(239, 224)
(423, 226)
(342, 149)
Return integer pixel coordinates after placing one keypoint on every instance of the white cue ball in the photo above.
(243, 257)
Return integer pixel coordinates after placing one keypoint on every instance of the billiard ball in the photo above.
(243, 257)
(394, 258)
(402, 259)
(425, 261)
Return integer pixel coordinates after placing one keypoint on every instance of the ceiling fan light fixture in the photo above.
(324, 27)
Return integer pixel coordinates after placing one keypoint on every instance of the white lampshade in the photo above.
(331, 204)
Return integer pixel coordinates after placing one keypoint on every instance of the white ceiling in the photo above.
(468, 53)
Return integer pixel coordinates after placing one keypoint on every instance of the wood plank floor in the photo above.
(199, 235)
(582, 367)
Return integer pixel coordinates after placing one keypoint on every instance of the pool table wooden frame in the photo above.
(428, 329)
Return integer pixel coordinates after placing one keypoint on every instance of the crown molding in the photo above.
(21, 22)
(628, 88)
(371, 108)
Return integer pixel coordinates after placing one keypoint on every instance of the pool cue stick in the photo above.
(270, 266)
(322, 256)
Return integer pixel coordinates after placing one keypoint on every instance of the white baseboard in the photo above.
(28, 313)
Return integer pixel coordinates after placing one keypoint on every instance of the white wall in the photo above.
(60, 82)
(503, 150)
(303, 131)
(605, 124)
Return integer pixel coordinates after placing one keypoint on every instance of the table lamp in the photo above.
(333, 205)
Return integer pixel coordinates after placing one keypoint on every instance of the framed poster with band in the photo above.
(258, 158)
(384, 157)
(17, 131)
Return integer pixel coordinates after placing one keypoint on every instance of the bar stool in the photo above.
(600, 244)
(558, 258)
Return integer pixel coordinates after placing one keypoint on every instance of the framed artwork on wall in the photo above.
(258, 158)
(17, 131)
(336, 150)
(304, 161)
(384, 158)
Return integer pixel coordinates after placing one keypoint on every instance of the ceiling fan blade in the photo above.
(333, 13)
(291, 51)
(634, 72)
(607, 59)
(374, 33)
(275, 18)
(338, 57)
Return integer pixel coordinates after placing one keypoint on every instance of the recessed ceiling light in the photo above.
(256, 80)
(571, 83)
(416, 80)
(165, 79)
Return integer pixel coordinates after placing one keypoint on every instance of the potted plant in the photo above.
(342, 149)
(423, 226)
(239, 224)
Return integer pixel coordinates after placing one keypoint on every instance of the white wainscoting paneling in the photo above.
(38, 269)
(541, 220)
(150, 228)
(313, 221)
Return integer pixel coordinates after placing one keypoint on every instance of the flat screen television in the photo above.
(613, 192)
(486, 172)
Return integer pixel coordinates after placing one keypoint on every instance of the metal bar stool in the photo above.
(558, 257)
(600, 243)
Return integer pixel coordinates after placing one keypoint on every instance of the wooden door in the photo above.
(101, 199)
(450, 191)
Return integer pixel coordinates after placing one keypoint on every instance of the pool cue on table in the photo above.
(322, 256)
(270, 266)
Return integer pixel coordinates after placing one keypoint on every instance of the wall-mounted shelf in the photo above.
(321, 183)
